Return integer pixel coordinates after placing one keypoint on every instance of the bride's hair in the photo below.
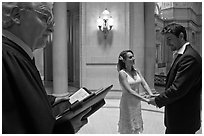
(121, 58)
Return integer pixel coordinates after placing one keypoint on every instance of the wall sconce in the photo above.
(105, 22)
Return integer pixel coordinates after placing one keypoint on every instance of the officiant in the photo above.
(26, 108)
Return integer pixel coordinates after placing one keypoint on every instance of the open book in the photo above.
(84, 99)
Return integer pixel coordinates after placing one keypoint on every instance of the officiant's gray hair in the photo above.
(7, 8)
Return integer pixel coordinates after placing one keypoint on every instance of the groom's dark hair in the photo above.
(175, 29)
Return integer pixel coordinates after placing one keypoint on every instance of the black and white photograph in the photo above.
(101, 67)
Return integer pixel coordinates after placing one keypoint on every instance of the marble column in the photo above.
(137, 33)
(38, 54)
(150, 47)
(60, 66)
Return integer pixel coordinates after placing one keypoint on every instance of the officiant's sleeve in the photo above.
(51, 99)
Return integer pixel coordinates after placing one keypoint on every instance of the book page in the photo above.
(79, 95)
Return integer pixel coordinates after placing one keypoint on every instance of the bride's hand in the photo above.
(150, 95)
(147, 96)
(146, 100)
(154, 95)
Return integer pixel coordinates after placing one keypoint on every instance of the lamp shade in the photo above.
(105, 14)
(105, 22)
(110, 21)
(99, 21)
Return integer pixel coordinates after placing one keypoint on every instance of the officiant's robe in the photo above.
(26, 108)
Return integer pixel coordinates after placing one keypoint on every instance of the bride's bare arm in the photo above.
(145, 85)
(123, 81)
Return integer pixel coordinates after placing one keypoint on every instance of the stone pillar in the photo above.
(60, 71)
(150, 48)
(137, 33)
(38, 54)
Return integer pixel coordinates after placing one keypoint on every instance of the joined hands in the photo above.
(150, 99)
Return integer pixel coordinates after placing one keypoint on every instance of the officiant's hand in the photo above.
(78, 121)
(61, 97)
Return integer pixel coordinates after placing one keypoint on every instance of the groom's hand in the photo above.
(152, 101)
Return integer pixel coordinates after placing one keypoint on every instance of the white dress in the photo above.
(130, 119)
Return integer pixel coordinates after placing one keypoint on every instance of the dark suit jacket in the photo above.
(182, 96)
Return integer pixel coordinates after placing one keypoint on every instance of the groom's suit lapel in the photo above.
(171, 74)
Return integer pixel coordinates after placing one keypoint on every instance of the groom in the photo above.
(182, 95)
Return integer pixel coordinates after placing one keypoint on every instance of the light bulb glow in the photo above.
(105, 22)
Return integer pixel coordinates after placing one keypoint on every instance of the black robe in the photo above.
(26, 108)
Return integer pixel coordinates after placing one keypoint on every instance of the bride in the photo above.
(130, 119)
